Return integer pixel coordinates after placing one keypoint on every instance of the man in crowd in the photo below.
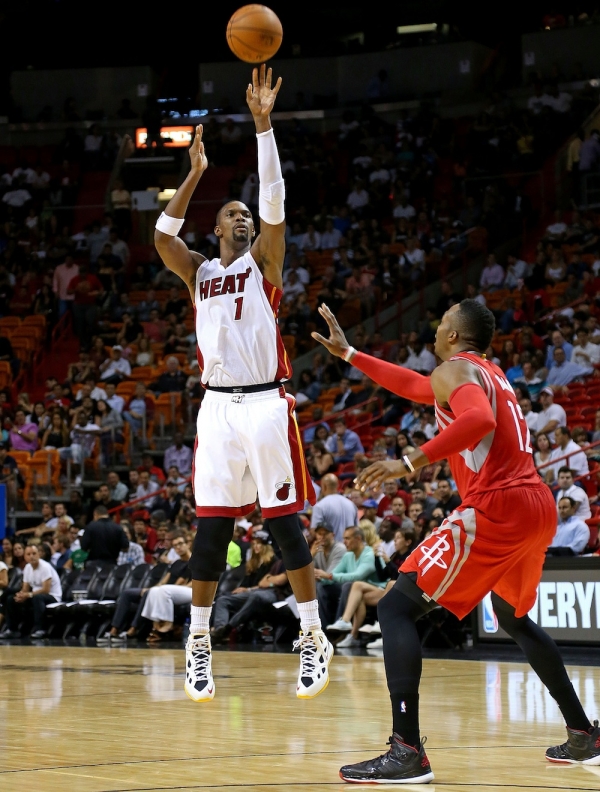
(178, 454)
(115, 368)
(332, 508)
(172, 380)
(325, 550)
(357, 563)
(563, 372)
(447, 500)
(572, 533)
(118, 491)
(551, 415)
(41, 586)
(103, 539)
(343, 443)
(568, 489)
(567, 453)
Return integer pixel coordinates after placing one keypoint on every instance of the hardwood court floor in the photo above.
(77, 719)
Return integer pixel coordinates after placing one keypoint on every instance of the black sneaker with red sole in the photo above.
(402, 764)
(580, 748)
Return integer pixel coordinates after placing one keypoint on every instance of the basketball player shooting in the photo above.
(494, 541)
(247, 443)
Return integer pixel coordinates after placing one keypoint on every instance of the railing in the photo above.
(332, 416)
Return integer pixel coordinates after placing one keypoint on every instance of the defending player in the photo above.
(247, 437)
(494, 541)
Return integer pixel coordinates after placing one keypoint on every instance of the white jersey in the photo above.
(239, 342)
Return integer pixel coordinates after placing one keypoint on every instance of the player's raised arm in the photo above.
(398, 380)
(269, 247)
(173, 250)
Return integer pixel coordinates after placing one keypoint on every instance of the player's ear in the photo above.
(218, 232)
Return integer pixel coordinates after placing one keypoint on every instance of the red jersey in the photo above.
(504, 457)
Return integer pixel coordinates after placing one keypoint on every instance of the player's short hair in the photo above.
(565, 469)
(564, 430)
(476, 323)
(357, 533)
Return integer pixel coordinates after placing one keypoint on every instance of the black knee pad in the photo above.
(209, 554)
(287, 532)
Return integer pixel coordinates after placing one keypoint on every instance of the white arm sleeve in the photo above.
(271, 193)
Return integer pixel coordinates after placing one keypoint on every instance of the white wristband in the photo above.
(169, 225)
(349, 354)
(408, 464)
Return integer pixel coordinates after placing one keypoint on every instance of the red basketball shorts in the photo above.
(494, 542)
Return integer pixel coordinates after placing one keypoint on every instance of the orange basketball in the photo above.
(254, 33)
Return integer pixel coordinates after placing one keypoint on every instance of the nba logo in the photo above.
(490, 620)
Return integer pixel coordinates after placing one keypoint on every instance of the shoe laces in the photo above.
(308, 653)
(200, 649)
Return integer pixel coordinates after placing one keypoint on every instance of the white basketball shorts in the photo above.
(248, 446)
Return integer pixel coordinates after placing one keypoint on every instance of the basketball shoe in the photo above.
(402, 764)
(199, 682)
(580, 748)
(315, 655)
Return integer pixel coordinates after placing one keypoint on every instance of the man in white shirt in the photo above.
(311, 239)
(420, 358)
(41, 587)
(89, 388)
(516, 270)
(568, 489)
(302, 274)
(584, 352)
(146, 487)
(116, 367)
(60, 513)
(112, 397)
(557, 230)
(576, 460)
(413, 258)
(551, 416)
(404, 209)
(359, 197)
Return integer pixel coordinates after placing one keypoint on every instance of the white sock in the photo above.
(199, 620)
(309, 615)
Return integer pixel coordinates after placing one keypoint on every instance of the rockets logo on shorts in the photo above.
(433, 555)
(282, 489)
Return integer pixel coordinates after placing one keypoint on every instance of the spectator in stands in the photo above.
(172, 380)
(134, 554)
(572, 534)
(556, 269)
(343, 396)
(265, 582)
(492, 276)
(146, 487)
(111, 426)
(319, 460)
(178, 454)
(118, 491)
(83, 438)
(9, 474)
(63, 275)
(585, 353)
(116, 368)
(325, 550)
(567, 488)
(333, 509)
(447, 499)
(86, 290)
(569, 453)
(358, 563)
(41, 586)
(551, 415)
(531, 417)
(420, 359)
(558, 342)
(343, 443)
(61, 546)
(529, 380)
(563, 372)
(170, 502)
(103, 539)
(23, 435)
(516, 272)
(160, 601)
(144, 355)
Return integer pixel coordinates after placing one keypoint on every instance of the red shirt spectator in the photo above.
(85, 287)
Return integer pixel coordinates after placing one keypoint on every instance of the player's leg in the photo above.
(543, 655)
(208, 562)
(271, 439)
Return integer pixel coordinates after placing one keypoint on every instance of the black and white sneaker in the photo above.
(580, 748)
(199, 682)
(316, 652)
(402, 764)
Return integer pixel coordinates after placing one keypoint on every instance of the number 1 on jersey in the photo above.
(239, 303)
(524, 436)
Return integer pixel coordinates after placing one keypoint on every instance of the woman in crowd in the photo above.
(542, 454)
(403, 444)
(363, 595)
(145, 355)
(319, 460)
(111, 426)
(134, 554)
(56, 434)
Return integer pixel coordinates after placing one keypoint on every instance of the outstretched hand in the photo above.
(260, 96)
(373, 476)
(337, 342)
(198, 158)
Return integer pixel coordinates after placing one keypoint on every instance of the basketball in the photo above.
(254, 33)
